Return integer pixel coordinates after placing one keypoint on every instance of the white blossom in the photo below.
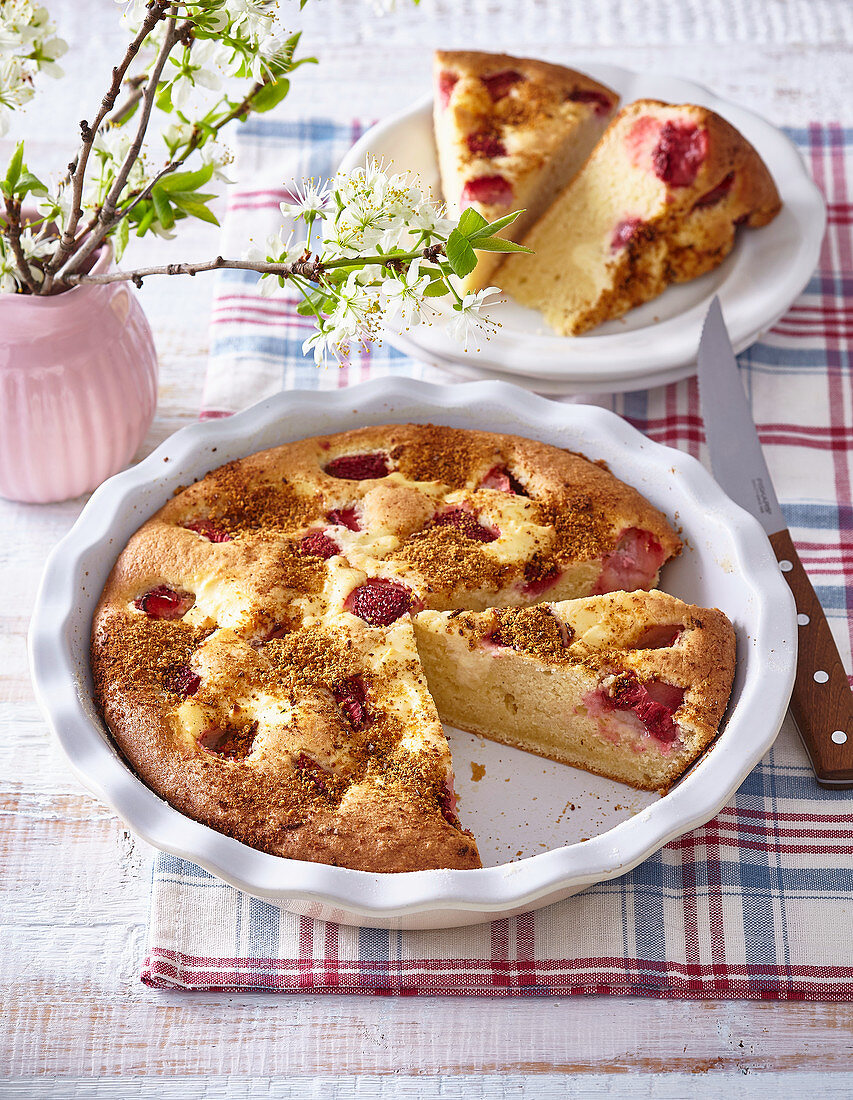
(198, 69)
(405, 294)
(324, 344)
(220, 157)
(468, 320)
(16, 88)
(309, 202)
(253, 17)
(277, 251)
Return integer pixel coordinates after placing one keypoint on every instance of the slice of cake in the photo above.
(631, 686)
(510, 133)
(659, 201)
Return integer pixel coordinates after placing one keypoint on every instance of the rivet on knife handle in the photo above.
(822, 703)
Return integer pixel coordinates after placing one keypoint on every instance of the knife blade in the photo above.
(822, 702)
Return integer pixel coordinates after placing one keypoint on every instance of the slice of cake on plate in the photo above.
(631, 686)
(511, 132)
(658, 202)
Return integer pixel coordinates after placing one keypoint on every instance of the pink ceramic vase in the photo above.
(78, 388)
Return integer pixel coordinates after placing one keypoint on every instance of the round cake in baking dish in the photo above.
(254, 650)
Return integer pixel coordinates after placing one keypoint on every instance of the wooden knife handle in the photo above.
(822, 703)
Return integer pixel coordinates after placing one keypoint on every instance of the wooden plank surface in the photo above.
(74, 1019)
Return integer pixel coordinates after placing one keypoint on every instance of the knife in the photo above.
(822, 703)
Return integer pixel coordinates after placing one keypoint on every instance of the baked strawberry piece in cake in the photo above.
(631, 686)
(511, 132)
(659, 201)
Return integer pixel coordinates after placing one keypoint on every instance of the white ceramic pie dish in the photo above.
(521, 805)
(655, 343)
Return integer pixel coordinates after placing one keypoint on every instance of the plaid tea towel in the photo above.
(757, 903)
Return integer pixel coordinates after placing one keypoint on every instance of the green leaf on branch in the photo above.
(164, 98)
(193, 206)
(471, 222)
(489, 229)
(186, 181)
(460, 254)
(498, 244)
(163, 208)
(269, 96)
(122, 236)
(146, 219)
(435, 289)
(13, 172)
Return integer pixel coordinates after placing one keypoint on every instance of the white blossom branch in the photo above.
(78, 165)
(308, 268)
(107, 218)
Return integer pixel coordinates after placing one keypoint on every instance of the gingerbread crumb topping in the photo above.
(447, 559)
(534, 630)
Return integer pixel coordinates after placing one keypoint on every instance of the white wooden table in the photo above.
(74, 1018)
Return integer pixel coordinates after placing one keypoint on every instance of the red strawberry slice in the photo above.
(208, 530)
(466, 523)
(318, 545)
(360, 467)
(163, 602)
(345, 517)
(679, 153)
(654, 703)
(448, 801)
(624, 233)
(602, 102)
(446, 84)
(499, 84)
(538, 585)
(183, 681)
(351, 697)
(716, 194)
(501, 479)
(379, 602)
(488, 190)
(485, 144)
(232, 742)
(659, 636)
(633, 564)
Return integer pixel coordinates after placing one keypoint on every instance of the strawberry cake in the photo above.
(629, 685)
(511, 132)
(658, 202)
(255, 649)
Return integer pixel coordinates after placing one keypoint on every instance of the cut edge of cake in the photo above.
(658, 202)
(630, 686)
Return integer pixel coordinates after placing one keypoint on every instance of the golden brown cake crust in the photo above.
(242, 687)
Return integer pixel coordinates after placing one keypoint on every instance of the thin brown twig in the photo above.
(88, 133)
(13, 235)
(106, 218)
(136, 85)
(309, 269)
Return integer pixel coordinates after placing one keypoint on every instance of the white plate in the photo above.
(522, 804)
(654, 343)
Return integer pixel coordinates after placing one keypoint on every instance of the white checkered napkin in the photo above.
(755, 904)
